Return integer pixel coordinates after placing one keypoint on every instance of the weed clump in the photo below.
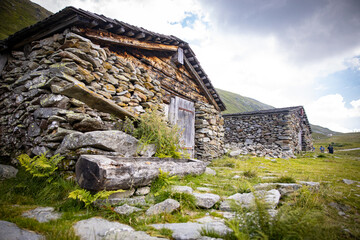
(285, 179)
(250, 173)
(153, 129)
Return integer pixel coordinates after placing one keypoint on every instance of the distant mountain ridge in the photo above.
(236, 103)
(18, 14)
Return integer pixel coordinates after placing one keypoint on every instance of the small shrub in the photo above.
(152, 129)
(285, 179)
(40, 166)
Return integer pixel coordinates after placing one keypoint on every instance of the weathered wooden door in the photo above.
(182, 113)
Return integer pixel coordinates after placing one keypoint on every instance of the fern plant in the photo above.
(87, 198)
(40, 166)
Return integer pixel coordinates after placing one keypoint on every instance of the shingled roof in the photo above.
(272, 111)
(70, 16)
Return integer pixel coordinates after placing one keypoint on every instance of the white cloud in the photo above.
(330, 111)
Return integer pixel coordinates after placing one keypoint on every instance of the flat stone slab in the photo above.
(126, 209)
(167, 206)
(140, 200)
(9, 230)
(206, 200)
(182, 189)
(42, 214)
(97, 228)
(271, 199)
(112, 141)
(99, 172)
(191, 230)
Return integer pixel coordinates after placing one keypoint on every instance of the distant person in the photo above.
(322, 149)
(331, 149)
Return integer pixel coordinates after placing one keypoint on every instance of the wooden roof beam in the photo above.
(201, 83)
(126, 41)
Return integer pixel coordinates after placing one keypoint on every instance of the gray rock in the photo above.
(312, 185)
(182, 189)
(206, 200)
(287, 188)
(210, 171)
(235, 153)
(98, 172)
(138, 235)
(125, 194)
(97, 228)
(39, 150)
(271, 197)
(204, 189)
(148, 150)
(34, 130)
(59, 134)
(245, 199)
(9, 231)
(190, 230)
(126, 209)
(46, 112)
(140, 201)
(167, 206)
(349, 182)
(142, 191)
(42, 214)
(114, 141)
(7, 171)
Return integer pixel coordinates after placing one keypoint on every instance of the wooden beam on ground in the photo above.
(126, 41)
(201, 84)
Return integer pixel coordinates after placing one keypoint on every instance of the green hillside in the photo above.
(18, 14)
(236, 103)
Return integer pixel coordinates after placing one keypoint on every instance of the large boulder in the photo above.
(112, 141)
(99, 172)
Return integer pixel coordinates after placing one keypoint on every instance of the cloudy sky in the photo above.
(280, 52)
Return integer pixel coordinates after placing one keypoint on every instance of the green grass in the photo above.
(19, 14)
(305, 214)
(236, 103)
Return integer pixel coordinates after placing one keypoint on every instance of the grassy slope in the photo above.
(236, 103)
(16, 15)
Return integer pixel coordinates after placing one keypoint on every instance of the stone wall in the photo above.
(272, 134)
(67, 83)
(209, 132)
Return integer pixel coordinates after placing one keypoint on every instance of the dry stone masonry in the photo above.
(66, 87)
(278, 132)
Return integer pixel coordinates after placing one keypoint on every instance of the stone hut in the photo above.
(274, 132)
(80, 72)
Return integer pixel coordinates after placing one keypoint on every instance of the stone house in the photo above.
(268, 131)
(80, 71)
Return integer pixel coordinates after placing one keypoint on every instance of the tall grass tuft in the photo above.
(152, 129)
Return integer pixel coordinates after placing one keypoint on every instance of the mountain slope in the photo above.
(18, 14)
(236, 103)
